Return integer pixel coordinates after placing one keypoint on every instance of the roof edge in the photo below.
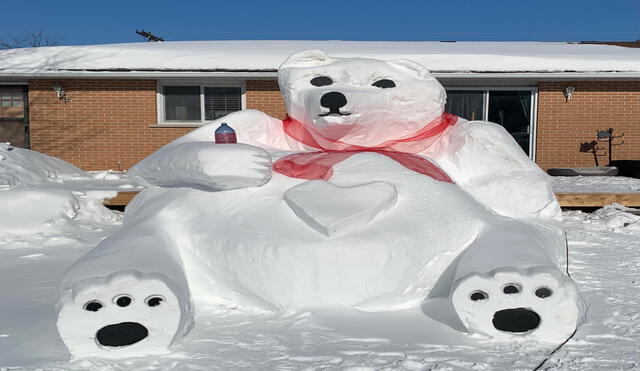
(273, 74)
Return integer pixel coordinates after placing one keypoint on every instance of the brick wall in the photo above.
(106, 125)
(563, 125)
(264, 95)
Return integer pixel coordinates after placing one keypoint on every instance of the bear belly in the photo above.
(256, 244)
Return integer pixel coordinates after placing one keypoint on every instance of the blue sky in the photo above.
(94, 22)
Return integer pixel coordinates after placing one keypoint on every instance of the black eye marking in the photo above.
(384, 84)
(478, 295)
(93, 306)
(154, 301)
(544, 292)
(511, 289)
(123, 301)
(321, 81)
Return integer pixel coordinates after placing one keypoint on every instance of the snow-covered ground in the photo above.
(37, 244)
(604, 260)
(604, 257)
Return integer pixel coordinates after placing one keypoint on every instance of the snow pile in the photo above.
(263, 55)
(21, 168)
(614, 217)
(107, 175)
(35, 192)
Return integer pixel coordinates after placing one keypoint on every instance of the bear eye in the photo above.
(384, 84)
(93, 306)
(154, 301)
(321, 81)
(478, 295)
(543, 292)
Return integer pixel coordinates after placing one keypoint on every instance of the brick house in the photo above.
(108, 106)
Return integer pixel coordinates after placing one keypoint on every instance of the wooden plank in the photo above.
(121, 199)
(565, 199)
(598, 199)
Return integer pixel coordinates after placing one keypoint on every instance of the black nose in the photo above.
(121, 334)
(516, 320)
(333, 101)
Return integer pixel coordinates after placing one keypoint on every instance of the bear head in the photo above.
(359, 101)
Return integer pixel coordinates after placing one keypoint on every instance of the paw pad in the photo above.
(125, 314)
(508, 303)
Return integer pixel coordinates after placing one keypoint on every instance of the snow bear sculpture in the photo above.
(367, 195)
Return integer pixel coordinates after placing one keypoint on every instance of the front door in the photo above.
(14, 115)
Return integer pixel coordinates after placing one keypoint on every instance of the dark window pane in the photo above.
(17, 99)
(182, 103)
(11, 104)
(512, 109)
(467, 104)
(221, 101)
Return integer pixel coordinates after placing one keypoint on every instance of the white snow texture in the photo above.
(267, 55)
(218, 225)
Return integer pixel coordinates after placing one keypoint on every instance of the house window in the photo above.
(11, 99)
(11, 103)
(182, 103)
(511, 108)
(198, 103)
(221, 101)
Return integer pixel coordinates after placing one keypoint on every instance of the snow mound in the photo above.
(23, 167)
(37, 193)
(614, 217)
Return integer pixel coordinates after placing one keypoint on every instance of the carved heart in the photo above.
(333, 210)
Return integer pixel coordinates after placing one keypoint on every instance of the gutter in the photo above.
(538, 76)
(140, 74)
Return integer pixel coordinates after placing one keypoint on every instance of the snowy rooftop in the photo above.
(266, 56)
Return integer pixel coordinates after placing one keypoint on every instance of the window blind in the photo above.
(220, 101)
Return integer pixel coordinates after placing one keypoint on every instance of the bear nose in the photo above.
(333, 101)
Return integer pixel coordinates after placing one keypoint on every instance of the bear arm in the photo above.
(251, 126)
(195, 160)
(205, 165)
(485, 160)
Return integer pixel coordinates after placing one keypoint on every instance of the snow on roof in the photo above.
(255, 56)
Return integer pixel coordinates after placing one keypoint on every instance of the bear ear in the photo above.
(307, 58)
(414, 67)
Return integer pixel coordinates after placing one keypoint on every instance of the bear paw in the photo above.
(538, 303)
(125, 314)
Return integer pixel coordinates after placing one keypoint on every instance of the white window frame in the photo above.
(202, 83)
(533, 114)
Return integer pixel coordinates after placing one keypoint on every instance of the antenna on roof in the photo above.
(149, 36)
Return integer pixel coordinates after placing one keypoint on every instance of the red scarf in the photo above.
(319, 165)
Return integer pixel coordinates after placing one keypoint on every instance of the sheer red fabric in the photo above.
(319, 165)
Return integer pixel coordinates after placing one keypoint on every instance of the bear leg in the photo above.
(127, 297)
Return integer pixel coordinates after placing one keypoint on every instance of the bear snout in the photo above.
(333, 101)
